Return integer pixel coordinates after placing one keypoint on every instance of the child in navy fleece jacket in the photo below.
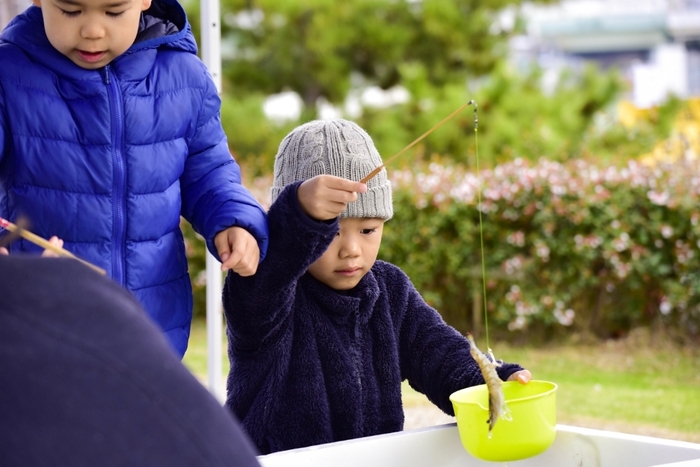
(322, 336)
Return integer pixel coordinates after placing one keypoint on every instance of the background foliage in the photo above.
(322, 48)
(601, 250)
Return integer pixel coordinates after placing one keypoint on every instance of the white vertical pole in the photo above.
(211, 56)
(211, 39)
(214, 328)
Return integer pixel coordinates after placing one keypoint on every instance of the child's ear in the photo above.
(145, 4)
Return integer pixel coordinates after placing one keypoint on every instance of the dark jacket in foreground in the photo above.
(311, 365)
(109, 159)
(88, 380)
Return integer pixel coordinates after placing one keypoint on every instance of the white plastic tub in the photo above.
(440, 446)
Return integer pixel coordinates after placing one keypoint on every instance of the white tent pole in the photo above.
(211, 39)
(214, 328)
(211, 56)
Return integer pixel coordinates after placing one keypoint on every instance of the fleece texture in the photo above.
(109, 159)
(311, 365)
(88, 380)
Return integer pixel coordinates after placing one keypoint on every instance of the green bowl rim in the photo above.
(554, 387)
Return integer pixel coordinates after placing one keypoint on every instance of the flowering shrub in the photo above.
(565, 245)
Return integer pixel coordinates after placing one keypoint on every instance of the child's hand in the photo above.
(522, 377)
(325, 197)
(238, 251)
(55, 241)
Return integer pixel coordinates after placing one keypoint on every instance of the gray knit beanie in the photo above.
(334, 147)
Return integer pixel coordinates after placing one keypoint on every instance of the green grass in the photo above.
(637, 386)
(196, 356)
(629, 387)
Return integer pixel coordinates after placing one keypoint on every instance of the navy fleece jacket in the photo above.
(312, 365)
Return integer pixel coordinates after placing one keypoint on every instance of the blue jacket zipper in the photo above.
(118, 177)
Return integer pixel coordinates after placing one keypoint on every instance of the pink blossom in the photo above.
(660, 199)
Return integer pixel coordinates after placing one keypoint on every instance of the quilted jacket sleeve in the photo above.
(4, 138)
(213, 197)
(3, 124)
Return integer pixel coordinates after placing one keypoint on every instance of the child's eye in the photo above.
(114, 15)
(70, 14)
(367, 231)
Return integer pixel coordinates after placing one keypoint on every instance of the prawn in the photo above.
(497, 401)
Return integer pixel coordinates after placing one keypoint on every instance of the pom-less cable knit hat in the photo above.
(334, 147)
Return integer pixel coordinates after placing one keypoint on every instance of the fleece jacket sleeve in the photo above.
(261, 304)
(435, 357)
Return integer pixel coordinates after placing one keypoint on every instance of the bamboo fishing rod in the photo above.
(417, 140)
(37, 240)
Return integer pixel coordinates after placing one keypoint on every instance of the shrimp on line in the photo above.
(497, 401)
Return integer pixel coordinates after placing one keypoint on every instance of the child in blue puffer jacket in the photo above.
(321, 337)
(109, 132)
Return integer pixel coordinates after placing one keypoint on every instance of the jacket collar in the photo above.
(343, 306)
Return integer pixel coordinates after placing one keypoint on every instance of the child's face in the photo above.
(92, 33)
(351, 254)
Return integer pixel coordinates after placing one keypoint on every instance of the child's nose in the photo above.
(350, 247)
(92, 30)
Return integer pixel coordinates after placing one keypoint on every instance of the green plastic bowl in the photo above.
(530, 432)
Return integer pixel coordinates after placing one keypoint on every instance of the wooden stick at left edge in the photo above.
(37, 240)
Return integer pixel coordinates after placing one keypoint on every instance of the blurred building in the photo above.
(654, 43)
(10, 8)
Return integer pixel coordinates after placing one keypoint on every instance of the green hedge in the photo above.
(567, 246)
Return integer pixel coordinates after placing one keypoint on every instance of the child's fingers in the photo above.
(522, 376)
(238, 251)
(343, 184)
(247, 265)
(244, 259)
(3, 251)
(325, 197)
(223, 248)
(55, 241)
(232, 259)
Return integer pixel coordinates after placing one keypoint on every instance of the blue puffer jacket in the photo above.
(109, 159)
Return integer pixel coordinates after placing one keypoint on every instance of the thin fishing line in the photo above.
(481, 229)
